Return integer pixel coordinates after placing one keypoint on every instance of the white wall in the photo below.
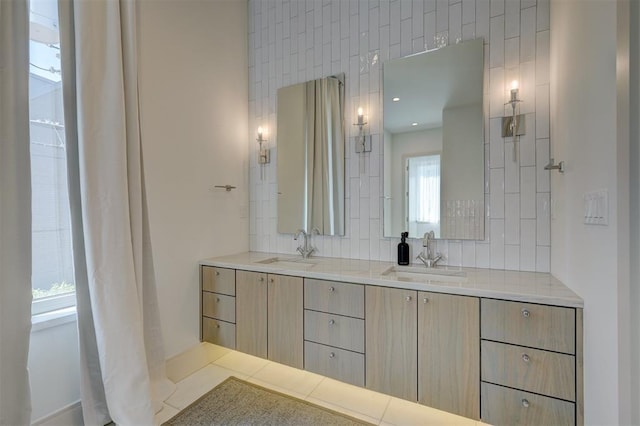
(193, 83)
(295, 41)
(590, 259)
(54, 375)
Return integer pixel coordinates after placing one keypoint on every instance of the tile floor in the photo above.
(361, 403)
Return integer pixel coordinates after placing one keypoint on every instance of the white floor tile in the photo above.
(199, 383)
(165, 414)
(242, 363)
(400, 412)
(344, 410)
(351, 397)
(215, 352)
(276, 388)
(298, 381)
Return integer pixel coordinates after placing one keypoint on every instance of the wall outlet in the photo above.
(596, 207)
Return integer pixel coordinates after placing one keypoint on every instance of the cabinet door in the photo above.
(449, 353)
(285, 320)
(251, 313)
(391, 343)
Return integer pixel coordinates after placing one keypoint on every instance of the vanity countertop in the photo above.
(531, 287)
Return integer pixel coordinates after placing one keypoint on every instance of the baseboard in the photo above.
(192, 360)
(71, 415)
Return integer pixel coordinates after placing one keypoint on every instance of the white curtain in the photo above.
(15, 214)
(122, 358)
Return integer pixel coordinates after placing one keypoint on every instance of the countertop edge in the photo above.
(247, 261)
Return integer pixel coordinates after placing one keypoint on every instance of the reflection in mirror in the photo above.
(310, 157)
(434, 143)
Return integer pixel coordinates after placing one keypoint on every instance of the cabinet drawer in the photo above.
(334, 297)
(504, 406)
(219, 332)
(219, 280)
(548, 373)
(334, 330)
(219, 306)
(540, 326)
(336, 363)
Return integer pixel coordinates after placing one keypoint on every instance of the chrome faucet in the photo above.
(306, 249)
(428, 259)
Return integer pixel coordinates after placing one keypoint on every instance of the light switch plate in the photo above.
(596, 207)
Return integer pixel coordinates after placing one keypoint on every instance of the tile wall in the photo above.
(291, 41)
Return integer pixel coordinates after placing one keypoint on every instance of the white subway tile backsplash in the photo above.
(543, 218)
(528, 244)
(496, 57)
(292, 41)
(512, 52)
(543, 259)
(542, 111)
(511, 167)
(497, 194)
(512, 218)
(542, 158)
(497, 7)
(497, 243)
(468, 11)
(512, 257)
(528, 192)
(528, 35)
(542, 15)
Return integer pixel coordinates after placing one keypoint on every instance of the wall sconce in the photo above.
(263, 152)
(514, 124)
(363, 141)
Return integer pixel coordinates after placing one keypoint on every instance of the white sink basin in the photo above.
(423, 274)
(288, 262)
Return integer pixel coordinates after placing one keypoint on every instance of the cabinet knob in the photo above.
(331, 322)
(217, 325)
(526, 358)
(332, 355)
(261, 279)
(271, 280)
(408, 298)
(217, 299)
(526, 313)
(217, 273)
(332, 289)
(425, 300)
(525, 403)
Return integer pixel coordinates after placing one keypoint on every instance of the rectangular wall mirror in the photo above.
(434, 143)
(310, 156)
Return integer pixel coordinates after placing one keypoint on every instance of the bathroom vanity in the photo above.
(504, 347)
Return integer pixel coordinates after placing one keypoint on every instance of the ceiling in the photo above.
(428, 82)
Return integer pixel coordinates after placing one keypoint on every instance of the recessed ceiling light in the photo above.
(396, 99)
(414, 124)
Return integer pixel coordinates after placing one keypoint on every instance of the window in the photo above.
(423, 194)
(52, 270)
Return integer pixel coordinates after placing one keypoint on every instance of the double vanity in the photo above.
(504, 347)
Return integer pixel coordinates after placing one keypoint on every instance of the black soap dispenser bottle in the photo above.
(403, 250)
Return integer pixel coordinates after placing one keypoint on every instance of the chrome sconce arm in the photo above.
(362, 140)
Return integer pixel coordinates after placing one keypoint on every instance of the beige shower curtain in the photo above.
(15, 214)
(122, 358)
(325, 155)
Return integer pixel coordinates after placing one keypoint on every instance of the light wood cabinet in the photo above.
(218, 306)
(449, 353)
(391, 341)
(504, 362)
(339, 364)
(285, 320)
(531, 364)
(251, 313)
